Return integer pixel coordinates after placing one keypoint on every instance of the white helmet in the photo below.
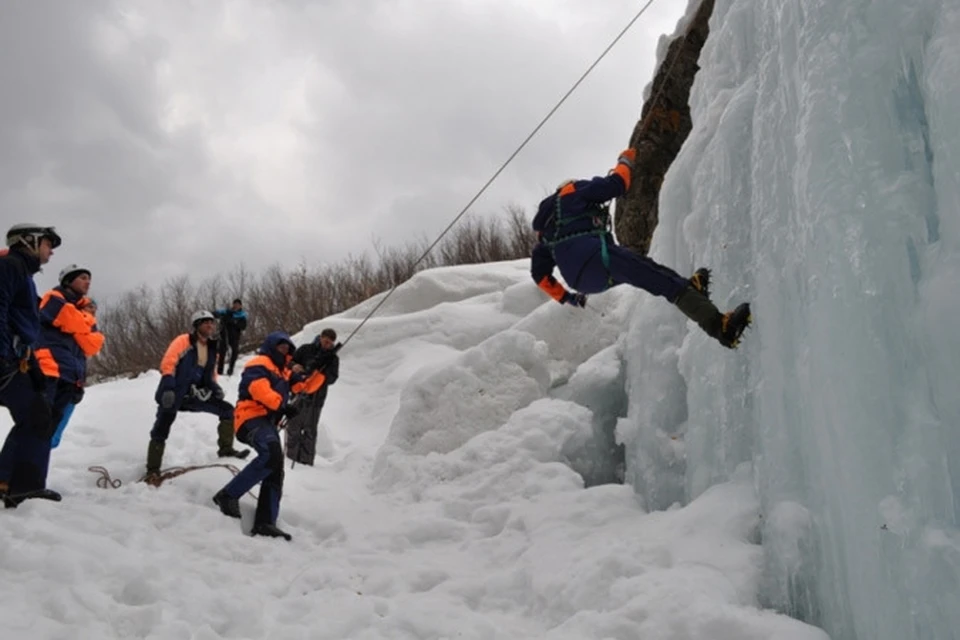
(30, 235)
(199, 317)
(71, 271)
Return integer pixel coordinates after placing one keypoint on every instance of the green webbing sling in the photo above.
(600, 215)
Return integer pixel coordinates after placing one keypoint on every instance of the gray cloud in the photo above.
(173, 137)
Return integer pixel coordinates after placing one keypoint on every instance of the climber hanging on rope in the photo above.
(573, 231)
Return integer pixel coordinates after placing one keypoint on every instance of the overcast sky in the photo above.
(172, 136)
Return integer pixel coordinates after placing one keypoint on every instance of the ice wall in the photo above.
(822, 183)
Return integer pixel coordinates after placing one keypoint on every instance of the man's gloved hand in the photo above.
(575, 299)
(291, 411)
(168, 399)
(77, 394)
(627, 157)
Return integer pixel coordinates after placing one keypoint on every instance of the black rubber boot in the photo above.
(225, 437)
(155, 457)
(271, 531)
(228, 506)
(13, 500)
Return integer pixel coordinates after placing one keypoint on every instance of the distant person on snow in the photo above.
(189, 383)
(317, 355)
(23, 387)
(573, 233)
(264, 399)
(68, 336)
(233, 322)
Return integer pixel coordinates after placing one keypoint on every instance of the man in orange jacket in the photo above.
(266, 384)
(189, 383)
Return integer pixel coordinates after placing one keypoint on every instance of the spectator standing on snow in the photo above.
(319, 355)
(233, 322)
(189, 383)
(263, 400)
(68, 336)
(23, 387)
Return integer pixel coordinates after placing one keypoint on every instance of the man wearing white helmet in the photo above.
(68, 337)
(189, 383)
(22, 384)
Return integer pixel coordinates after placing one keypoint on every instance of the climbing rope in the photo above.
(105, 481)
(513, 155)
(156, 479)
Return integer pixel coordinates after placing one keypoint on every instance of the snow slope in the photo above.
(445, 505)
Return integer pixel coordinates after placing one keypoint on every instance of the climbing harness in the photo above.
(22, 367)
(599, 216)
(5, 380)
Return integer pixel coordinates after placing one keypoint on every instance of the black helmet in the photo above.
(30, 235)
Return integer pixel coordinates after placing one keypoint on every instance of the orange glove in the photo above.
(627, 156)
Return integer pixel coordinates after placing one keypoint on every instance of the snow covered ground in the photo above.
(821, 181)
(444, 505)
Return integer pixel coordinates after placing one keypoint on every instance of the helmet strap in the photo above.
(33, 245)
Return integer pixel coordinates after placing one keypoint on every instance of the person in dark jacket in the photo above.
(189, 383)
(573, 234)
(233, 322)
(263, 400)
(23, 387)
(320, 355)
(68, 336)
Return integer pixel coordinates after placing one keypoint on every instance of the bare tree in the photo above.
(141, 324)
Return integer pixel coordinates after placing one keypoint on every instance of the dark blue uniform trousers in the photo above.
(166, 417)
(25, 457)
(581, 263)
(266, 468)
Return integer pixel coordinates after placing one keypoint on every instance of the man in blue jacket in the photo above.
(573, 232)
(233, 322)
(188, 383)
(22, 383)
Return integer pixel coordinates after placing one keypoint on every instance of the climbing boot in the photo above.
(271, 531)
(228, 506)
(700, 280)
(733, 324)
(225, 437)
(155, 457)
(698, 308)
